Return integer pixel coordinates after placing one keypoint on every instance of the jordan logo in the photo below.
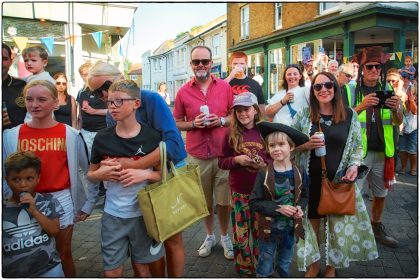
(139, 151)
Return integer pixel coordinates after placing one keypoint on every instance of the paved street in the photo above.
(400, 218)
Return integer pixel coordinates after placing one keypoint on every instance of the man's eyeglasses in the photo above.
(118, 102)
(197, 62)
(327, 85)
(61, 83)
(370, 66)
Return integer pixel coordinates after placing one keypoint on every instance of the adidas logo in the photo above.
(26, 227)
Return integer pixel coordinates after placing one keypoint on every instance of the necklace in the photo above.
(327, 120)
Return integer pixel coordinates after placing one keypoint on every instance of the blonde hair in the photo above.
(86, 65)
(47, 84)
(236, 129)
(43, 54)
(278, 136)
(127, 86)
(101, 68)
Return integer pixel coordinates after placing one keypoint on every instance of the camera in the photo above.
(383, 95)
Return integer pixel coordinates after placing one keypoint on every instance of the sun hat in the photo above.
(267, 128)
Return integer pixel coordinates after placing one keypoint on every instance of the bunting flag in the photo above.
(21, 42)
(49, 43)
(72, 39)
(392, 57)
(97, 36)
(399, 55)
(345, 59)
(121, 50)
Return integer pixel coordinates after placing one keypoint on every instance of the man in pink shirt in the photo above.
(205, 134)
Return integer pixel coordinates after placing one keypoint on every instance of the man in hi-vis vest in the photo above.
(378, 115)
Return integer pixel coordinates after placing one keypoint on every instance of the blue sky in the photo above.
(156, 22)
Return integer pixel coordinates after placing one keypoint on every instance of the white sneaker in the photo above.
(227, 247)
(205, 248)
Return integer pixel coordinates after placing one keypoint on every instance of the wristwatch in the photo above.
(222, 121)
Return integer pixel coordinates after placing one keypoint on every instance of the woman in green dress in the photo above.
(347, 237)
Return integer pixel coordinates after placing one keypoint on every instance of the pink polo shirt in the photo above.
(204, 143)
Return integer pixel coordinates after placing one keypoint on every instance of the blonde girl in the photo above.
(243, 154)
(62, 153)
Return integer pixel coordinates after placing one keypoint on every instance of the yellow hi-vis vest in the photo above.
(386, 116)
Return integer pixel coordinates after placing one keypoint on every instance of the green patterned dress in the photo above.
(347, 237)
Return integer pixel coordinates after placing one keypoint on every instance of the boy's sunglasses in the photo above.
(392, 81)
(327, 85)
(197, 62)
(61, 83)
(370, 66)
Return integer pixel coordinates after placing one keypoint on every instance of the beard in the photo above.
(202, 75)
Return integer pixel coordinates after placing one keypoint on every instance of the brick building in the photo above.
(273, 34)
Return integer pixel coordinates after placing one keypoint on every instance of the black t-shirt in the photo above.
(247, 84)
(15, 102)
(90, 122)
(63, 114)
(107, 144)
(374, 142)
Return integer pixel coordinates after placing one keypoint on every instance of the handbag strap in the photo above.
(163, 158)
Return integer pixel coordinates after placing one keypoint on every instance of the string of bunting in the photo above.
(48, 42)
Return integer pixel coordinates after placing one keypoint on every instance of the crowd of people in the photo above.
(260, 164)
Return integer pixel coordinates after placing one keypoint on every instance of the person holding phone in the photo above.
(378, 126)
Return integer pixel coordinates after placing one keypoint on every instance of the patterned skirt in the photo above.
(245, 239)
(347, 238)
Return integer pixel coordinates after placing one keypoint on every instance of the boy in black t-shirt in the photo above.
(30, 220)
(123, 229)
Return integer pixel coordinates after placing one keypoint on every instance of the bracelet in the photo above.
(192, 125)
(281, 102)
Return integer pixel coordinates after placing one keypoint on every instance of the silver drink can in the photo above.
(205, 109)
(319, 152)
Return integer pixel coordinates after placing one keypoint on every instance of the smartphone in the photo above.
(321, 49)
(383, 95)
(306, 54)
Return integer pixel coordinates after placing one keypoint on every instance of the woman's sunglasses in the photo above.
(370, 66)
(327, 85)
(61, 83)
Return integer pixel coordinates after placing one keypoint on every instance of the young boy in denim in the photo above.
(123, 231)
(30, 222)
(279, 196)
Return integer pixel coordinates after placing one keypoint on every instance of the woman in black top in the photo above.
(66, 112)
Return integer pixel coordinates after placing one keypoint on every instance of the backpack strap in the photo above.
(86, 148)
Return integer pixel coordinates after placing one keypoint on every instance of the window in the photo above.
(277, 62)
(328, 7)
(170, 61)
(183, 57)
(245, 22)
(277, 15)
(216, 45)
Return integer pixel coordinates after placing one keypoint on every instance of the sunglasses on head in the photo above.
(61, 83)
(327, 85)
(105, 87)
(197, 62)
(348, 76)
(370, 66)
